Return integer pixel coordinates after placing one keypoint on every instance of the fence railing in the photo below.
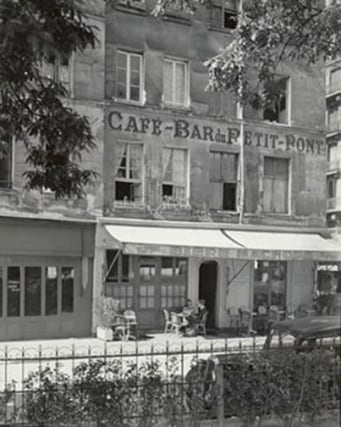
(177, 384)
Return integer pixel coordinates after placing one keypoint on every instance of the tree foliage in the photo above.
(32, 107)
(269, 32)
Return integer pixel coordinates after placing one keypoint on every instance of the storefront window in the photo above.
(147, 285)
(270, 284)
(32, 291)
(13, 291)
(173, 282)
(118, 278)
(67, 289)
(51, 297)
(328, 285)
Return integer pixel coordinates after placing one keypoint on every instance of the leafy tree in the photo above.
(269, 32)
(33, 108)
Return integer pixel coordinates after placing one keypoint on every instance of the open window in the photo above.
(224, 180)
(6, 164)
(175, 175)
(128, 172)
(223, 14)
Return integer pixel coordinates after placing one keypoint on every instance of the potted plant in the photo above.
(107, 309)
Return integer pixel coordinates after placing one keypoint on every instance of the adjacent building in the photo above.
(47, 246)
(183, 207)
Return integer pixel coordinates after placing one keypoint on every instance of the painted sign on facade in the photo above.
(215, 132)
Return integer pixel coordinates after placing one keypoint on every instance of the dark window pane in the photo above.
(1, 286)
(230, 20)
(112, 266)
(13, 291)
(229, 197)
(5, 167)
(51, 290)
(32, 291)
(167, 190)
(125, 268)
(67, 289)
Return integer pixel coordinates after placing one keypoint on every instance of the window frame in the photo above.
(174, 62)
(128, 54)
(221, 5)
(11, 166)
(57, 75)
(289, 180)
(185, 200)
(221, 181)
(133, 181)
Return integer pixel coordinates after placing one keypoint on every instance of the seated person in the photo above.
(194, 320)
(188, 309)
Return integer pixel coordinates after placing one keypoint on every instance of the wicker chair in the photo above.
(200, 328)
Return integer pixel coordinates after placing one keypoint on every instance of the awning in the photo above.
(208, 243)
(296, 246)
(218, 243)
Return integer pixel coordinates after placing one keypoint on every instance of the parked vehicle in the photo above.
(307, 332)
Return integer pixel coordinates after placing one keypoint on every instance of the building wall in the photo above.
(193, 40)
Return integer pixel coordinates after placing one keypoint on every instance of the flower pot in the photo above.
(104, 333)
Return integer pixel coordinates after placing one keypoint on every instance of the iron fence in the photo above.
(145, 384)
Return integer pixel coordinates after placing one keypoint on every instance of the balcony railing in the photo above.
(334, 203)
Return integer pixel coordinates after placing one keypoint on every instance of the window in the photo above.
(57, 69)
(174, 175)
(32, 291)
(13, 291)
(129, 76)
(67, 277)
(335, 80)
(128, 172)
(147, 291)
(117, 282)
(6, 154)
(175, 83)
(270, 284)
(278, 110)
(276, 185)
(173, 282)
(51, 297)
(223, 14)
(223, 179)
(334, 122)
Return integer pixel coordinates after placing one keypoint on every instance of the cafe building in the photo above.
(173, 227)
(194, 206)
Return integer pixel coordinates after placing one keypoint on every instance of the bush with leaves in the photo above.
(282, 384)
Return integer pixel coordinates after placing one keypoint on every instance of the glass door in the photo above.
(148, 294)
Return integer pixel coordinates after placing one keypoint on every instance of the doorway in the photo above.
(208, 274)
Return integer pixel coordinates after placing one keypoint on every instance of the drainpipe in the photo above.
(241, 135)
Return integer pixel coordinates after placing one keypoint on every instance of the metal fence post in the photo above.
(220, 397)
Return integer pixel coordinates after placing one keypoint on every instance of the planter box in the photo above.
(104, 333)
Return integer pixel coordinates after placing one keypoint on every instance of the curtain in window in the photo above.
(135, 168)
(120, 152)
(179, 173)
(167, 165)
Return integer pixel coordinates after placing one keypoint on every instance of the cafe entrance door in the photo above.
(208, 274)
